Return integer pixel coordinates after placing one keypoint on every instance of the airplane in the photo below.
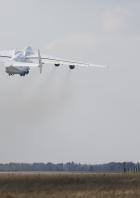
(21, 61)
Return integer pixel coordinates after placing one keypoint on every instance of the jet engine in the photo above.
(57, 65)
(72, 66)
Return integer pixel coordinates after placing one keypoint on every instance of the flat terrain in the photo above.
(69, 185)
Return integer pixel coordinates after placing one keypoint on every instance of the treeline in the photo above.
(71, 166)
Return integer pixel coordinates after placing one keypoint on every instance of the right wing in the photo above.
(69, 62)
(51, 60)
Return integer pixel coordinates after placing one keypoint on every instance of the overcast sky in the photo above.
(85, 115)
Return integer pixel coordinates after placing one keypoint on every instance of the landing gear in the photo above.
(23, 74)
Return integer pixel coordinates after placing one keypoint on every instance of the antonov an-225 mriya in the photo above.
(20, 62)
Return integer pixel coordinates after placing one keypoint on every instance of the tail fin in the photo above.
(40, 61)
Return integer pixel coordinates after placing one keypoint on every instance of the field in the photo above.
(69, 185)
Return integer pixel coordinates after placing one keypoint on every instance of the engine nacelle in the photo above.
(72, 66)
(57, 65)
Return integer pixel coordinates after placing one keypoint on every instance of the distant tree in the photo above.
(124, 167)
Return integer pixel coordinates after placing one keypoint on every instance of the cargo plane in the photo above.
(21, 61)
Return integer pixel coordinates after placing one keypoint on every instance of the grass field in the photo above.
(69, 185)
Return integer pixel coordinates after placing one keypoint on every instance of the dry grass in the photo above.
(69, 185)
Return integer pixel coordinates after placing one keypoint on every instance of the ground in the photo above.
(69, 185)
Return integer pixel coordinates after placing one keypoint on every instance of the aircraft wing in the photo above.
(67, 62)
(51, 60)
(7, 53)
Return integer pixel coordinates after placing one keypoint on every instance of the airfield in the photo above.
(69, 185)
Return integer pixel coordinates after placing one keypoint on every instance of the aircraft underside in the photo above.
(22, 71)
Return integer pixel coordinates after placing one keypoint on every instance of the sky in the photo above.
(86, 115)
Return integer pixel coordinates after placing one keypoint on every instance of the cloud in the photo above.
(113, 21)
(75, 40)
(76, 47)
